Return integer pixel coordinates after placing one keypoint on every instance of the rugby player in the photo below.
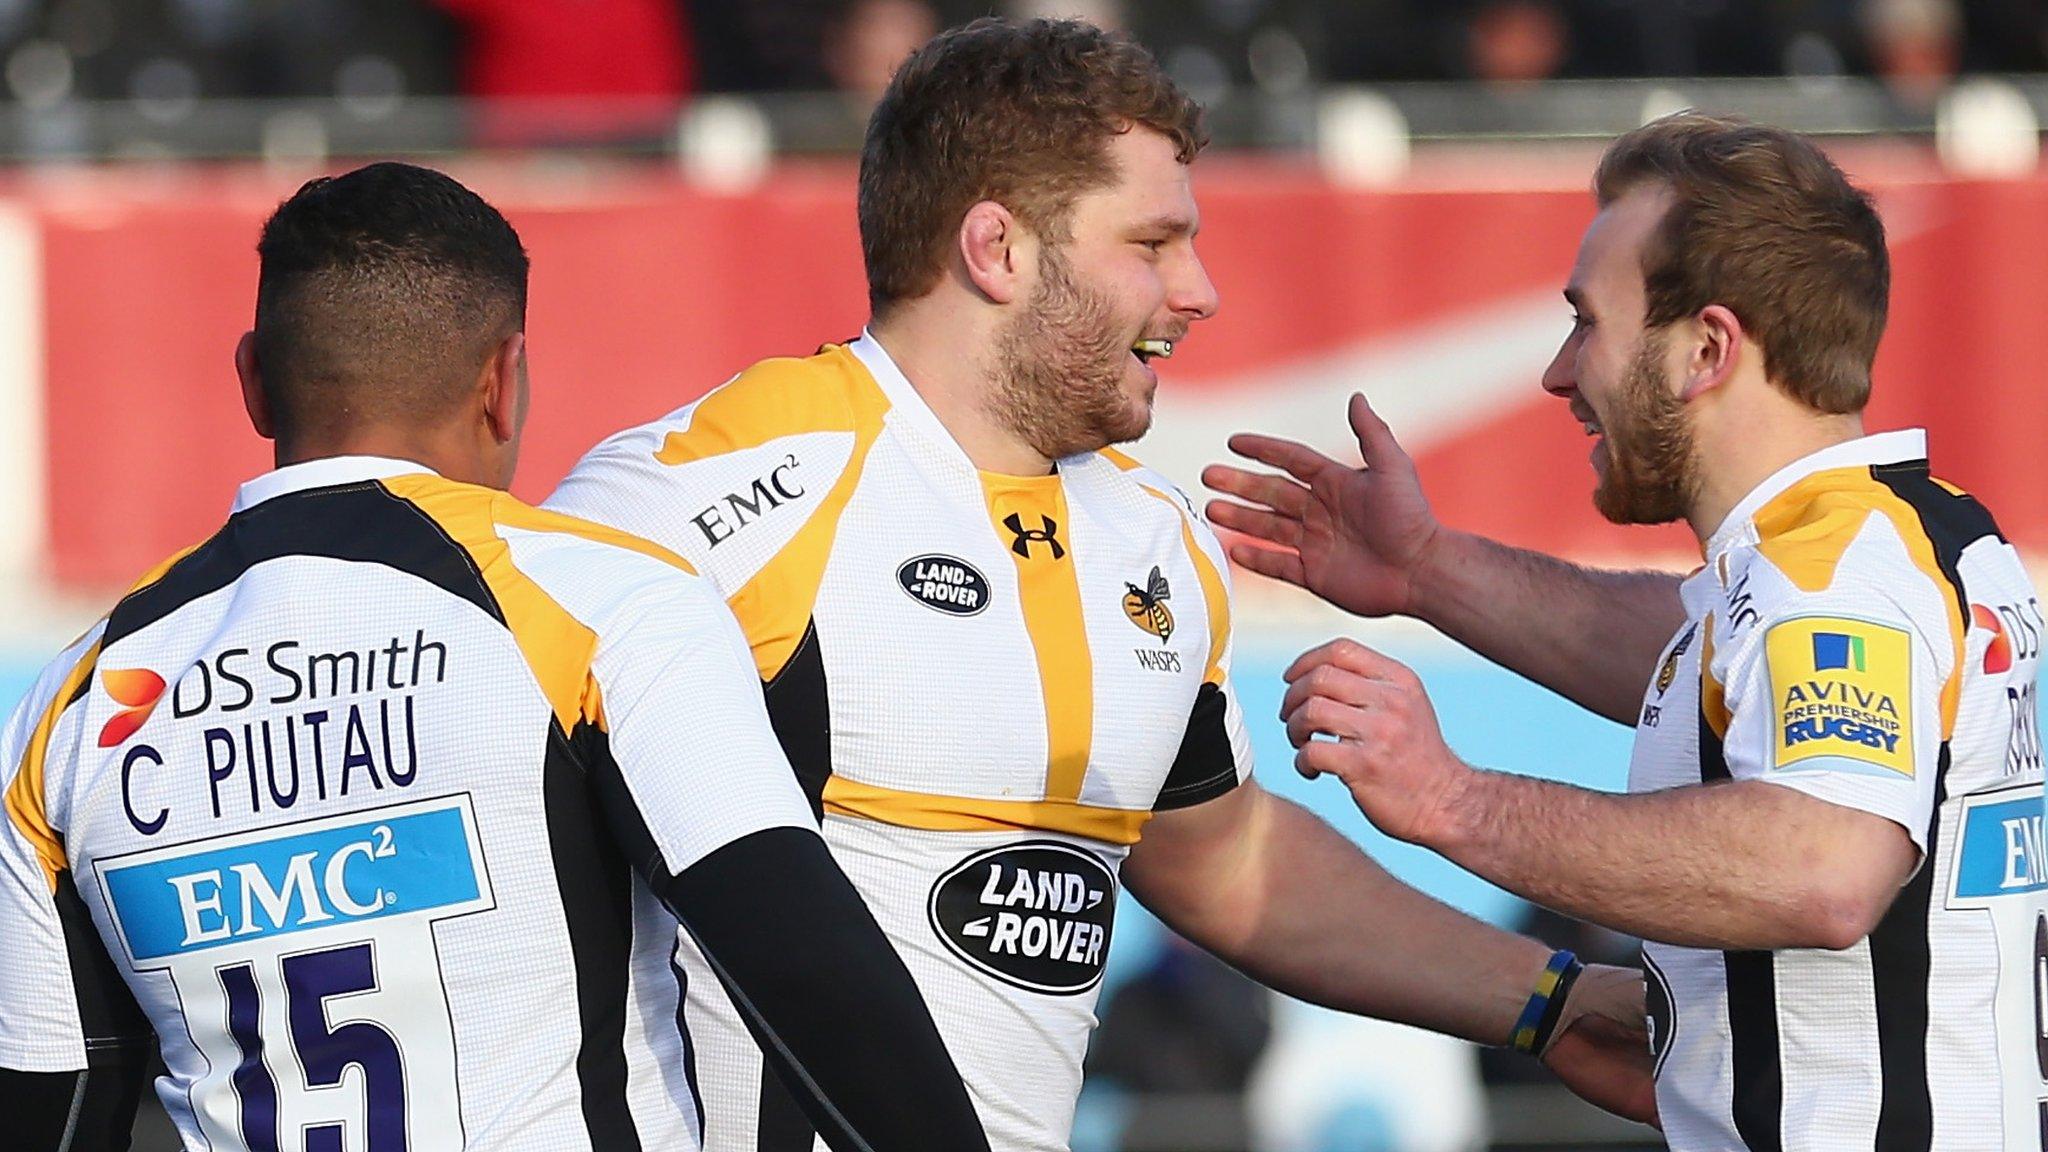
(380, 807)
(1832, 840)
(997, 650)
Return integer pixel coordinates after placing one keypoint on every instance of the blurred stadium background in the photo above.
(1394, 198)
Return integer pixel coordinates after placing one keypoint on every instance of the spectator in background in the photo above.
(1915, 47)
(866, 42)
(1516, 43)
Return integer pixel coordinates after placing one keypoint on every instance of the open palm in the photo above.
(1353, 536)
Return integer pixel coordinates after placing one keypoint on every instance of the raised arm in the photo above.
(1365, 540)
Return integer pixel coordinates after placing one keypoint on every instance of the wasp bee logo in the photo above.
(1669, 671)
(1146, 606)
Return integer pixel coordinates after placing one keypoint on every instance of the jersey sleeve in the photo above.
(1215, 751)
(40, 1029)
(74, 1045)
(692, 779)
(678, 720)
(1838, 694)
(726, 483)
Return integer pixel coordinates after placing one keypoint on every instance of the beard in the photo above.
(1060, 368)
(1652, 473)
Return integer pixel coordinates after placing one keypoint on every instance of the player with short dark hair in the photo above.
(1832, 843)
(384, 805)
(997, 649)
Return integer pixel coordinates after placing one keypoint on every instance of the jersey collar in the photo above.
(904, 401)
(322, 473)
(1862, 452)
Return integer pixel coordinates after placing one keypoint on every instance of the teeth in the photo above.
(1160, 348)
(1592, 429)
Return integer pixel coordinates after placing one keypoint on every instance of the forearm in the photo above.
(1748, 865)
(825, 995)
(1298, 907)
(1591, 635)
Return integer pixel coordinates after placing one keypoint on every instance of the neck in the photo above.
(1741, 460)
(446, 452)
(937, 356)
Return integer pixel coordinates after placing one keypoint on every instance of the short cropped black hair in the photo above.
(381, 295)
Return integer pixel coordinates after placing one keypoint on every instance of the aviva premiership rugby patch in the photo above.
(1842, 689)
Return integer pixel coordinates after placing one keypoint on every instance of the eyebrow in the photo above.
(1171, 223)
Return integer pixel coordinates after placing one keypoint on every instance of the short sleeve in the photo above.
(41, 1028)
(679, 714)
(1839, 697)
(1215, 752)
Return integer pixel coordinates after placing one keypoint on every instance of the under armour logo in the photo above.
(1025, 537)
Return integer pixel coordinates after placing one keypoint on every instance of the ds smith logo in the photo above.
(137, 690)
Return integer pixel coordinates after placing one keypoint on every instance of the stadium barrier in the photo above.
(1438, 296)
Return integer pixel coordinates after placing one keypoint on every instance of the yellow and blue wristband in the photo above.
(1539, 1016)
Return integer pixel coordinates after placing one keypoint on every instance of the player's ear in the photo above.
(503, 388)
(1715, 352)
(254, 402)
(990, 239)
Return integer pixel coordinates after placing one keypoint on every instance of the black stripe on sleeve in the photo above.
(800, 711)
(597, 905)
(825, 995)
(1206, 766)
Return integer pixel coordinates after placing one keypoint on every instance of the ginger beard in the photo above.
(1062, 369)
(1652, 472)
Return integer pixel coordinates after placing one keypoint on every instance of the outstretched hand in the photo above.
(1354, 536)
(1601, 1046)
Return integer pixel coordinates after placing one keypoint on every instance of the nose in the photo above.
(1560, 377)
(1193, 296)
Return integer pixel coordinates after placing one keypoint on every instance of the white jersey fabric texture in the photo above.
(318, 788)
(1861, 632)
(987, 683)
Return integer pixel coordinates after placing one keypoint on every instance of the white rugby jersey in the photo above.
(987, 683)
(1862, 633)
(324, 787)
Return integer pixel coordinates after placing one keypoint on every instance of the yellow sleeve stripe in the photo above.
(829, 392)
(1213, 592)
(26, 801)
(937, 813)
(1806, 529)
(557, 646)
(510, 512)
(774, 606)
(1713, 696)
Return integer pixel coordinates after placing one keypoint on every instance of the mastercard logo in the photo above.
(137, 690)
(1997, 657)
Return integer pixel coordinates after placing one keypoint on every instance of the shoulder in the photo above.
(774, 399)
(1156, 487)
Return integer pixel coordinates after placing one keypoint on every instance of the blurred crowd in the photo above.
(668, 50)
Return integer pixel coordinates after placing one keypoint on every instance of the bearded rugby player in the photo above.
(996, 649)
(1832, 840)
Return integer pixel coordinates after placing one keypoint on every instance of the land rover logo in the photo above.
(1662, 1013)
(1036, 915)
(942, 582)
